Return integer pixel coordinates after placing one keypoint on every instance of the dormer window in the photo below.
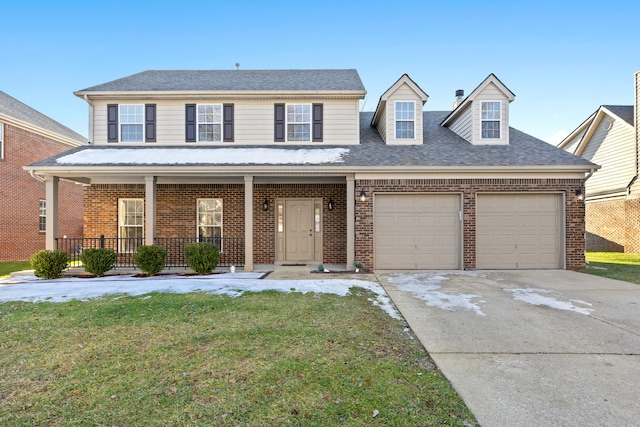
(405, 119)
(490, 119)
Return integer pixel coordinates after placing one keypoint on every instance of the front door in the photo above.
(299, 231)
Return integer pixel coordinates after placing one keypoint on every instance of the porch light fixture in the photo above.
(330, 204)
(363, 196)
(579, 195)
(265, 205)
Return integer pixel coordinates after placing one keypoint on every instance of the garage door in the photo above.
(417, 231)
(519, 231)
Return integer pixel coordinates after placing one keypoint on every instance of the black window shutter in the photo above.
(112, 122)
(279, 122)
(227, 122)
(150, 123)
(190, 122)
(317, 123)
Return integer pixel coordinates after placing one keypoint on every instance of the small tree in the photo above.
(98, 261)
(202, 257)
(150, 259)
(49, 264)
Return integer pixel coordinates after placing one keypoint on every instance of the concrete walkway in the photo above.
(530, 348)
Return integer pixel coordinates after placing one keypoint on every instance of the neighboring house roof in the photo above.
(625, 112)
(12, 110)
(442, 148)
(233, 80)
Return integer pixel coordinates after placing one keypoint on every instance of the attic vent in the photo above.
(459, 93)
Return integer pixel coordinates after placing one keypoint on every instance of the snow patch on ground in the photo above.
(33, 289)
(426, 286)
(536, 297)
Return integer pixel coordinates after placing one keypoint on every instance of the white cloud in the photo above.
(557, 137)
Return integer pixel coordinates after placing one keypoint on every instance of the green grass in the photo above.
(614, 265)
(11, 266)
(260, 359)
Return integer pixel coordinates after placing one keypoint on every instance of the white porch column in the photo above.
(149, 209)
(248, 223)
(51, 194)
(351, 221)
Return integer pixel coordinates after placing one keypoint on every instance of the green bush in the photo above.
(202, 257)
(150, 259)
(98, 261)
(49, 264)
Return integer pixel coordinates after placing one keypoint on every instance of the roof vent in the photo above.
(459, 98)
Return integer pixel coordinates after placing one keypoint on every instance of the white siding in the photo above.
(490, 93)
(614, 150)
(463, 124)
(403, 93)
(573, 144)
(253, 121)
(382, 126)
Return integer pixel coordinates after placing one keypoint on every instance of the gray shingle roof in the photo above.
(234, 80)
(441, 148)
(625, 112)
(15, 109)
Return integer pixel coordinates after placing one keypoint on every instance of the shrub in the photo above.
(202, 257)
(49, 264)
(150, 259)
(98, 261)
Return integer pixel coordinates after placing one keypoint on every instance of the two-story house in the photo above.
(611, 138)
(27, 136)
(282, 165)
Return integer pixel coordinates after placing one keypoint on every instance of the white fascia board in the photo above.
(151, 95)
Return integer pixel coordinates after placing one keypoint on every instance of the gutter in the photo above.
(34, 176)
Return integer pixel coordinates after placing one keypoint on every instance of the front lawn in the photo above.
(11, 266)
(260, 359)
(614, 265)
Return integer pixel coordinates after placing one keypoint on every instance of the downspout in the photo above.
(90, 129)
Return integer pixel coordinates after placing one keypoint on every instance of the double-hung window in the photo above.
(42, 227)
(131, 123)
(210, 122)
(490, 119)
(209, 221)
(1, 140)
(405, 120)
(130, 223)
(298, 122)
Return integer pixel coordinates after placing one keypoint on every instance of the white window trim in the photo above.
(121, 216)
(396, 120)
(120, 122)
(492, 120)
(287, 122)
(1, 140)
(198, 122)
(221, 226)
(40, 216)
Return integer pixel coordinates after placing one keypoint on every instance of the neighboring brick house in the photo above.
(283, 162)
(610, 137)
(27, 136)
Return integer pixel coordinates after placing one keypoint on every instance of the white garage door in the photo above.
(519, 231)
(417, 231)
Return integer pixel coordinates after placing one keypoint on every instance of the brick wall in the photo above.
(613, 225)
(20, 195)
(574, 224)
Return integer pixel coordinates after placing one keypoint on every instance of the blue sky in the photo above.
(561, 58)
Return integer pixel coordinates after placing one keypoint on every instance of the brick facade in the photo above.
(613, 225)
(574, 211)
(20, 196)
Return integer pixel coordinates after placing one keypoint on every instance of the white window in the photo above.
(131, 123)
(1, 140)
(490, 118)
(405, 120)
(43, 216)
(210, 220)
(130, 223)
(210, 122)
(298, 122)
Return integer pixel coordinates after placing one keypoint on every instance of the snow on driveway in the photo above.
(33, 289)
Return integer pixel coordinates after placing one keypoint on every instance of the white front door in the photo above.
(299, 232)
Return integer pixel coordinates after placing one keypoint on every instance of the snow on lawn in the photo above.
(425, 286)
(33, 289)
(533, 296)
(181, 156)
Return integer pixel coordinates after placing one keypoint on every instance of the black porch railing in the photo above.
(231, 249)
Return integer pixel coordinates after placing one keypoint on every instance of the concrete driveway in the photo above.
(529, 348)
